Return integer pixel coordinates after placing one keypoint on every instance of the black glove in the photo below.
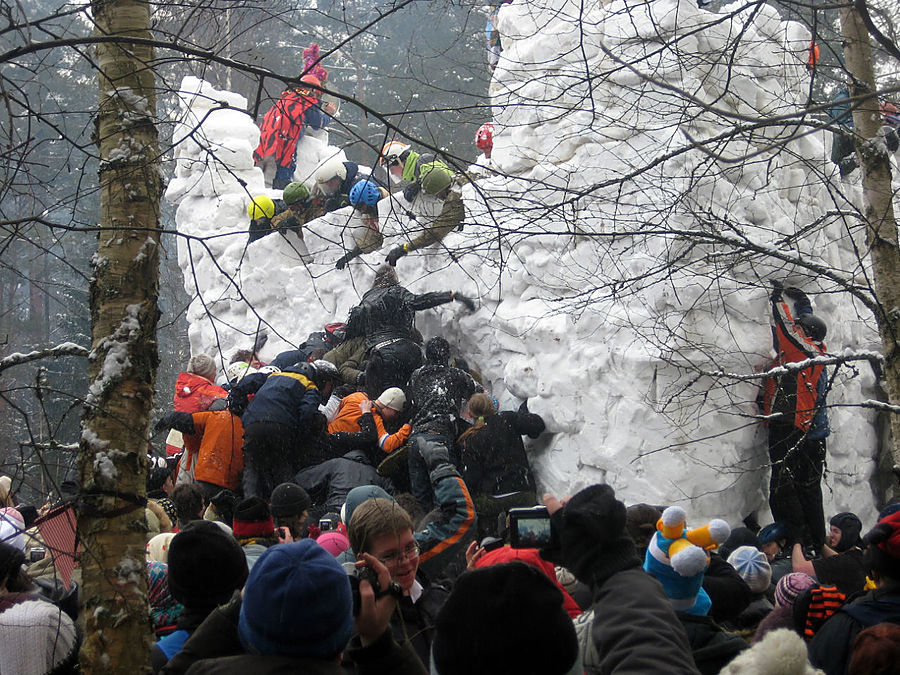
(591, 539)
(180, 421)
(237, 402)
(777, 288)
(795, 294)
(410, 191)
(396, 253)
(347, 257)
(467, 301)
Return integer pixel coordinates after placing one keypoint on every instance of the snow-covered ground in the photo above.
(614, 374)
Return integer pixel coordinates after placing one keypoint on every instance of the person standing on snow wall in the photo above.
(798, 423)
(283, 126)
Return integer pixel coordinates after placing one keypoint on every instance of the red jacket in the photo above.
(793, 394)
(194, 394)
(282, 126)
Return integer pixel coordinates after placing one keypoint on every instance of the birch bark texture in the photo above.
(878, 209)
(123, 358)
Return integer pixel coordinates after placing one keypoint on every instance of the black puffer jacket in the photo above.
(388, 313)
(329, 482)
(438, 393)
(494, 460)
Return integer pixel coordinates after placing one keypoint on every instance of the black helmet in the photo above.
(813, 326)
(324, 372)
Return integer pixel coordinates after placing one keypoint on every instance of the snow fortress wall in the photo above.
(614, 263)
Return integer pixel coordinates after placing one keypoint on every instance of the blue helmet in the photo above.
(365, 192)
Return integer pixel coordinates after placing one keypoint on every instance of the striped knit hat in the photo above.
(790, 586)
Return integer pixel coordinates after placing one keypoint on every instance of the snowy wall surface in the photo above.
(597, 304)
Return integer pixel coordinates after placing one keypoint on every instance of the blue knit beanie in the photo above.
(297, 602)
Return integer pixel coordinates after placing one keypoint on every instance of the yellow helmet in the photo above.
(261, 207)
(391, 152)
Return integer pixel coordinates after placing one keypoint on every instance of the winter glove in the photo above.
(410, 191)
(467, 301)
(777, 288)
(437, 461)
(180, 421)
(360, 379)
(396, 253)
(795, 294)
(237, 402)
(591, 539)
(347, 257)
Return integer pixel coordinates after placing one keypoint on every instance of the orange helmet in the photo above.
(392, 151)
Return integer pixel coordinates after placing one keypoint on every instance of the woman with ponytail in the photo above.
(495, 466)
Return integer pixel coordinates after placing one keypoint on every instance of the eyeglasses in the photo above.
(410, 552)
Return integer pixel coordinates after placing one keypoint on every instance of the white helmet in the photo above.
(332, 168)
(391, 152)
(268, 370)
(238, 369)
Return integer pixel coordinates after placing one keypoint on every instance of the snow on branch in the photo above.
(64, 349)
(827, 360)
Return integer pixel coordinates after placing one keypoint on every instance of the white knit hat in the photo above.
(392, 398)
(753, 566)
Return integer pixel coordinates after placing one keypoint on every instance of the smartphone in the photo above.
(530, 528)
(325, 525)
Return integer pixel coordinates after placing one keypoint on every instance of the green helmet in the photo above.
(295, 192)
(435, 177)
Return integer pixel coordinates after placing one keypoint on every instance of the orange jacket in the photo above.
(347, 419)
(221, 457)
(794, 395)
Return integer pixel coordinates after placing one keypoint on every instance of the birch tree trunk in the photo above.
(123, 359)
(881, 225)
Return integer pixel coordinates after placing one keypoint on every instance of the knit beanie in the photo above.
(334, 542)
(753, 566)
(883, 547)
(506, 618)
(5, 489)
(780, 652)
(12, 528)
(297, 602)
(850, 527)
(392, 398)
(202, 365)
(875, 650)
(158, 547)
(289, 499)
(740, 536)
(357, 496)
(790, 586)
(252, 518)
(206, 566)
(437, 351)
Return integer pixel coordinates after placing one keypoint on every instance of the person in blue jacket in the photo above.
(278, 420)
